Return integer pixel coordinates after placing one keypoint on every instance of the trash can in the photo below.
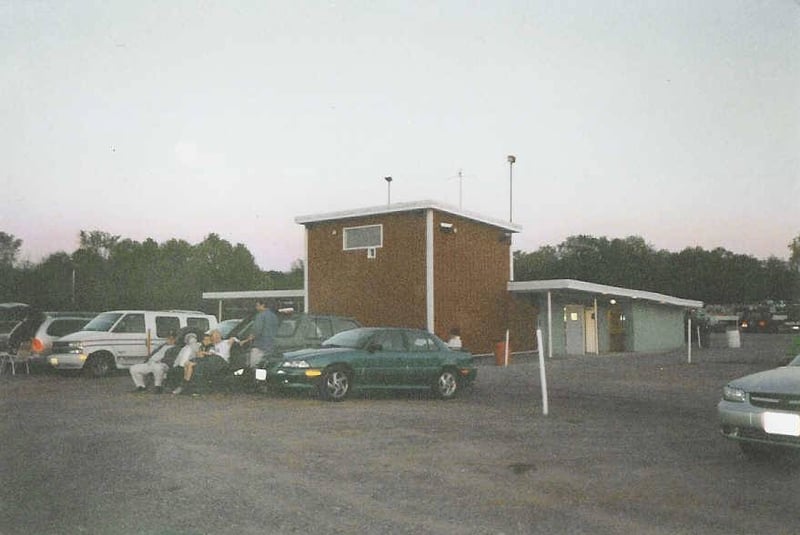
(734, 338)
(500, 354)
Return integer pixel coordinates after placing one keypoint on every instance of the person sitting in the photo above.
(186, 354)
(158, 365)
(211, 360)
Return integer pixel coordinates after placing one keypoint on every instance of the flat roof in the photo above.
(407, 207)
(555, 285)
(253, 294)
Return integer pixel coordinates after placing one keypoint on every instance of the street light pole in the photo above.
(388, 180)
(511, 160)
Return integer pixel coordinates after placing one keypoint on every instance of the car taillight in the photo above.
(37, 346)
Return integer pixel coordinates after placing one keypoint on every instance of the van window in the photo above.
(199, 323)
(131, 323)
(166, 325)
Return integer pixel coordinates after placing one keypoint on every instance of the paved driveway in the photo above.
(630, 446)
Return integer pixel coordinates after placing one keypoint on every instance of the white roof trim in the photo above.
(590, 287)
(407, 207)
(254, 294)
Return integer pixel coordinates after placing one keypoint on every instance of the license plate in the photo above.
(261, 374)
(779, 423)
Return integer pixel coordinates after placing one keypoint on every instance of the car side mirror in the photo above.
(374, 346)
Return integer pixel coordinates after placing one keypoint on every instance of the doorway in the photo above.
(574, 317)
(590, 326)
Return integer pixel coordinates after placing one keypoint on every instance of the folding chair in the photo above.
(10, 361)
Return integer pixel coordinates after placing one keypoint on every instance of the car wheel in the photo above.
(446, 384)
(98, 365)
(335, 385)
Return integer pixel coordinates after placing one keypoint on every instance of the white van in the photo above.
(121, 338)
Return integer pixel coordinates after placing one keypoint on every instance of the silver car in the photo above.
(762, 411)
(44, 328)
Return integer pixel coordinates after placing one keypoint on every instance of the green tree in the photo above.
(9, 249)
(794, 258)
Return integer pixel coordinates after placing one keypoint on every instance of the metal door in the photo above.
(574, 330)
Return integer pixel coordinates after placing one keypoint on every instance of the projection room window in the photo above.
(366, 237)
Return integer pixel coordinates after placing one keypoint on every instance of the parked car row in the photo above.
(332, 355)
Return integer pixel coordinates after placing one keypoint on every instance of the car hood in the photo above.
(306, 354)
(784, 380)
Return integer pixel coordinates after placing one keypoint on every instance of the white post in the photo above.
(549, 325)
(430, 303)
(542, 374)
(689, 340)
(596, 329)
(505, 362)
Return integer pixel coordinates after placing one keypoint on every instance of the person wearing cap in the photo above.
(158, 364)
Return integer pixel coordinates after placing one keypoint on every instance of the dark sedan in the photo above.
(374, 358)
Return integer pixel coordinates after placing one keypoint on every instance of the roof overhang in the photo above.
(572, 285)
(268, 294)
(407, 207)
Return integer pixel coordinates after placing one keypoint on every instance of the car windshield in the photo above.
(354, 339)
(103, 322)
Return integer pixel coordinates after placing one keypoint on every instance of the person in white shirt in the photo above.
(210, 362)
(455, 339)
(157, 364)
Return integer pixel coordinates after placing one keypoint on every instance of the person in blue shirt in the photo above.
(265, 326)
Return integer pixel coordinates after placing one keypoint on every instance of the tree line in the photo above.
(714, 277)
(108, 272)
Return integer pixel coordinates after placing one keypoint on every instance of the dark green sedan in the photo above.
(374, 358)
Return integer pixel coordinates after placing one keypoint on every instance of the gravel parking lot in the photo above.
(630, 446)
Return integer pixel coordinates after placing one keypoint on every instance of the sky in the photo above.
(675, 121)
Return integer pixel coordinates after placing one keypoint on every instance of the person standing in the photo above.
(265, 327)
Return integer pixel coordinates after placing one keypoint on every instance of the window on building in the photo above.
(366, 237)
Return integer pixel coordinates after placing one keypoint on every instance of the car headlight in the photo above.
(731, 393)
(295, 364)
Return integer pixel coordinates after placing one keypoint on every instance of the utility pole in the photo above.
(511, 160)
(388, 180)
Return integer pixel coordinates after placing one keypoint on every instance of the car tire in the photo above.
(334, 384)
(99, 365)
(447, 384)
